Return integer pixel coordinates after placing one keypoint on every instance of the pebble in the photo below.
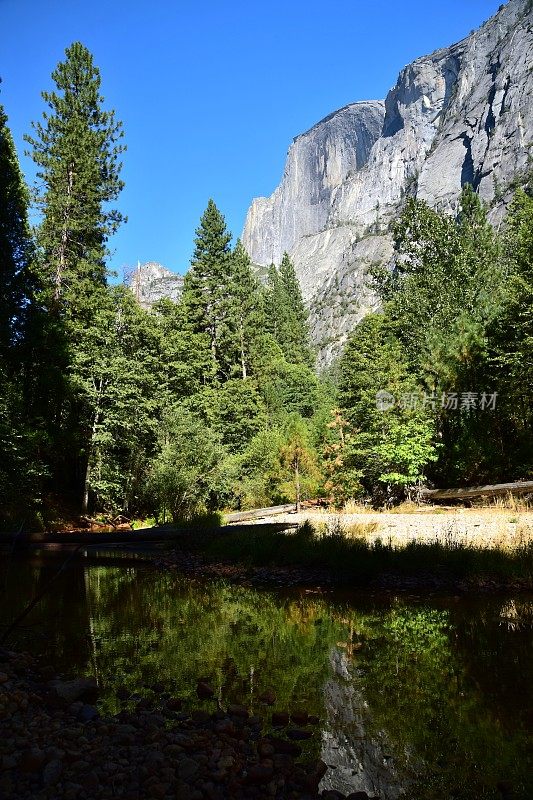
(55, 749)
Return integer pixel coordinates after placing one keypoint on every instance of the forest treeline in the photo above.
(213, 402)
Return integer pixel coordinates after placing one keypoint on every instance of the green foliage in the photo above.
(456, 310)
(510, 344)
(16, 248)
(286, 314)
(185, 358)
(290, 388)
(205, 303)
(115, 376)
(299, 462)
(76, 149)
(256, 474)
(21, 469)
(185, 472)
(382, 448)
(234, 410)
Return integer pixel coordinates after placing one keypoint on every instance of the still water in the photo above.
(419, 698)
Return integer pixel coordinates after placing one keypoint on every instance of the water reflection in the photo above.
(424, 699)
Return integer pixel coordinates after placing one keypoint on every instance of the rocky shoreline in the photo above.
(196, 565)
(55, 745)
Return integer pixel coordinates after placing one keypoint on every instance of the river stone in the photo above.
(288, 748)
(300, 717)
(238, 711)
(88, 713)
(32, 760)
(298, 734)
(204, 690)
(52, 772)
(8, 762)
(158, 790)
(268, 698)
(187, 768)
(79, 689)
(260, 774)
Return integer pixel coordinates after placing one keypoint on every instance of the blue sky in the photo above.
(212, 93)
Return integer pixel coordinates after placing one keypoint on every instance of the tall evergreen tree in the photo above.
(15, 245)
(286, 314)
(76, 149)
(274, 303)
(297, 326)
(20, 468)
(204, 297)
(246, 314)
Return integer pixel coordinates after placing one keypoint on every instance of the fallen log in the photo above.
(140, 536)
(259, 513)
(496, 490)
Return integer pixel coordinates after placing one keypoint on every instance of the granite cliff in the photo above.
(151, 281)
(462, 114)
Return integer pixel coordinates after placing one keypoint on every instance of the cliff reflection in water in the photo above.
(424, 699)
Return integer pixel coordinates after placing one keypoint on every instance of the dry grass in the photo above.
(335, 525)
(510, 502)
(496, 505)
(359, 559)
(355, 507)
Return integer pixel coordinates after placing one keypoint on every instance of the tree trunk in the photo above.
(243, 359)
(96, 419)
(297, 486)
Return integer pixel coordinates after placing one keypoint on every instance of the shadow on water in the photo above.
(424, 698)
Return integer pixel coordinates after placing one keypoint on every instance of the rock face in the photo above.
(318, 163)
(151, 281)
(460, 115)
(361, 761)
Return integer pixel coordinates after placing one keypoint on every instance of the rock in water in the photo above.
(79, 689)
(204, 690)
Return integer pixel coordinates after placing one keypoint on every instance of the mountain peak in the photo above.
(462, 114)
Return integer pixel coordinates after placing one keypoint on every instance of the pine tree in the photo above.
(15, 246)
(20, 470)
(274, 303)
(204, 296)
(246, 314)
(76, 149)
(297, 325)
(384, 445)
(286, 314)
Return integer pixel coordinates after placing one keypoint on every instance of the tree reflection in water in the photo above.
(424, 699)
